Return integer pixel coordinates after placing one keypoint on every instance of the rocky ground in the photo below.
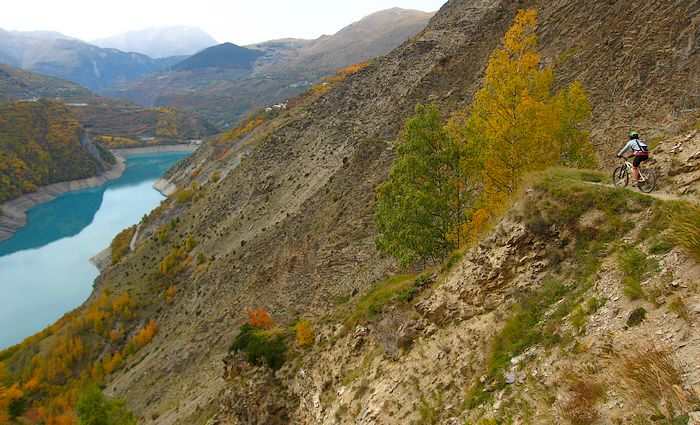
(428, 360)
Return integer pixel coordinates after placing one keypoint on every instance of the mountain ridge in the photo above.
(42, 144)
(286, 68)
(160, 42)
(221, 56)
(75, 60)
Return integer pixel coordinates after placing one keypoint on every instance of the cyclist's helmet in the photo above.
(634, 135)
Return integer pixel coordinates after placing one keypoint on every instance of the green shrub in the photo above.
(578, 319)
(183, 196)
(593, 305)
(121, 244)
(430, 409)
(380, 295)
(660, 248)
(16, 407)
(341, 299)
(636, 317)
(451, 261)
(635, 266)
(261, 346)
(522, 329)
(95, 409)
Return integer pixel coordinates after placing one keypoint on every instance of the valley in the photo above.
(384, 229)
(45, 269)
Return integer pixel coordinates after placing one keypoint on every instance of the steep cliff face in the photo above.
(290, 226)
(536, 324)
(283, 217)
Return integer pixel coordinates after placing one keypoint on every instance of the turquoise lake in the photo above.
(44, 268)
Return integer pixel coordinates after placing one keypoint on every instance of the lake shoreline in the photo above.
(45, 269)
(13, 213)
(126, 152)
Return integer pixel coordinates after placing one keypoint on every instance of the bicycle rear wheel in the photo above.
(647, 184)
(620, 177)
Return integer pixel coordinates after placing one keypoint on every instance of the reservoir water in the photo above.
(45, 270)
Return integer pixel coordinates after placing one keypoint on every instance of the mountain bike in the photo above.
(647, 176)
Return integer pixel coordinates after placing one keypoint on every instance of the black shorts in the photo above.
(638, 159)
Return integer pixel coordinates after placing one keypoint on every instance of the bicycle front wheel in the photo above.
(620, 177)
(647, 181)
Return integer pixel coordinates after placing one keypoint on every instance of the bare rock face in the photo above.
(253, 396)
(677, 162)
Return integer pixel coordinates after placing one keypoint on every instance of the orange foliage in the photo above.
(7, 395)
(66, 418)
(339, 76)
(121, 244)
(305, 335)
(32, 384)
(170, 293)
(112, 363)
(124, 305)
(145, 335)
(260, 319)
(113, 335)
(53, 375)
(33, 416)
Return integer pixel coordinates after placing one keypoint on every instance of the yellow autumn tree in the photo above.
(305, 334)
(516, 125)
(7, 396)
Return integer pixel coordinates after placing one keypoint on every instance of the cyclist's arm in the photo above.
(627, 147)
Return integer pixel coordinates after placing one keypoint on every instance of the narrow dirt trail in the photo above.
(663, 196)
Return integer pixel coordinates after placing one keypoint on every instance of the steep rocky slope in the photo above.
(287, 226)
(372, 36)
(528, 327)
(303, 198)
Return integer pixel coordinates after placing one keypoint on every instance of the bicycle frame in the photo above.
(629, 168)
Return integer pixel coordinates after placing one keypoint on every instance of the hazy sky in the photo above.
(237, 21)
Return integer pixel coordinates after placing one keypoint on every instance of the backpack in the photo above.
(643, 148)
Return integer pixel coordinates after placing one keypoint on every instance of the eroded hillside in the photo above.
(575, 301)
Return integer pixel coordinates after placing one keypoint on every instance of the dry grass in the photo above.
(579, 408)
(678, 305)
(685, 228)
(651, 376)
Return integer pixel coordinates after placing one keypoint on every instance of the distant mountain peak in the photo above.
(176, 40)
(224, 56)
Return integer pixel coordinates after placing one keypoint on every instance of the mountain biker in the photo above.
(641, 154)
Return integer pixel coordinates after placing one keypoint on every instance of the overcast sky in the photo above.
(236, 21)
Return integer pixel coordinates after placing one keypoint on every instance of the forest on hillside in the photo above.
(39, 145)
